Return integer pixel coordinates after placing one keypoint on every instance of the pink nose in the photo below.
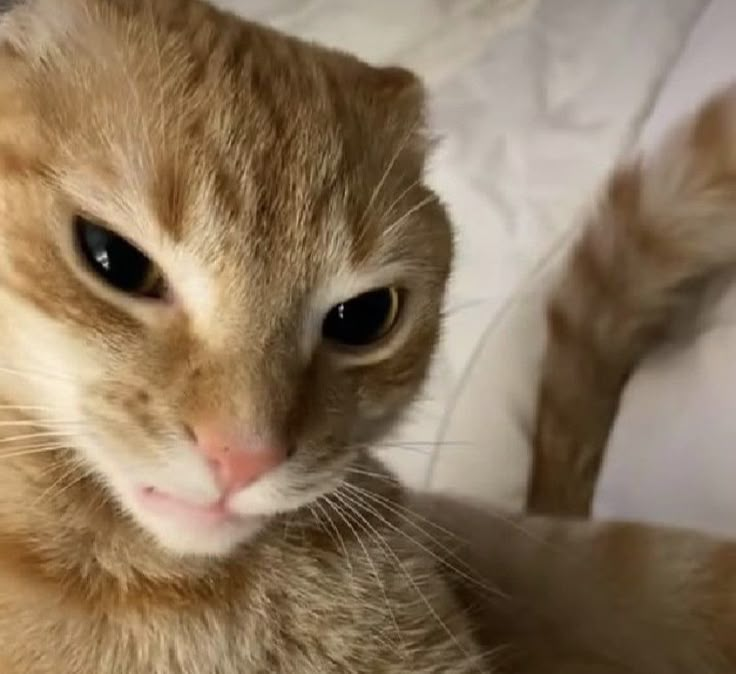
(235, 460)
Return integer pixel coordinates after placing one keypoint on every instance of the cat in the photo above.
(661, 236)
(221, 284)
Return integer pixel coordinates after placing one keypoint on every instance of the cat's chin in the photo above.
(186, 528)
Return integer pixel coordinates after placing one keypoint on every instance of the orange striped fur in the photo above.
(591, 598)
(664, 228)
(265, 177)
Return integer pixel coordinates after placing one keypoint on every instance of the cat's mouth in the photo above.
(214, 513)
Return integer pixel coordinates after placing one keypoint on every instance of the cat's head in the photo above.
(220, 271)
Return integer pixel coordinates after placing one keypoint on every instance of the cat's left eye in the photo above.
(118, 262)
(364, 319)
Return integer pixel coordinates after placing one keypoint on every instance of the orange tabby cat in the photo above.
(221, 281)
(665, 228)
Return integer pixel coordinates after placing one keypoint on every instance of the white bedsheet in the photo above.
(532, 126)
(535, 99)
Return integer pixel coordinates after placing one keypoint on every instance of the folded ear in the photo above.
(397, 88)
(399, 84)
(397, 98)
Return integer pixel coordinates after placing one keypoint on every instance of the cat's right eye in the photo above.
(116, 261)
(364, 319)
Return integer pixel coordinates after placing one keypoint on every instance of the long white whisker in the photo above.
(35, 374)
(495, 514)
(33, 450)
(348, 559)
(418, 206)
(21, 408)
(322, 526)
(387, 172)
(387, 212)
(369, 559)
(381, 540)
(339, 538)
(427, 443)
(69, 485)
(382, 500)
(46, 423)
(389, 479)
(465, 572)
(66, 474)
(41, 434)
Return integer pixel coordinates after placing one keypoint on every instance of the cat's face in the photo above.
(193, 211)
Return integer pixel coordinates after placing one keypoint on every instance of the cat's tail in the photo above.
(584, 597)
(665, 226)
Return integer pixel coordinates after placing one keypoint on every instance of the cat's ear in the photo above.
(398, 89)
(398, 100)
(400, 85)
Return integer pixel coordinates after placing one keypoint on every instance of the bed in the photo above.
(534, 101)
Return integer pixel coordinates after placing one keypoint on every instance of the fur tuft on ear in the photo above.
(394, 85)
(399, 82)
(398, 97)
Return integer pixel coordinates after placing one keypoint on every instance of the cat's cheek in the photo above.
(293, 486)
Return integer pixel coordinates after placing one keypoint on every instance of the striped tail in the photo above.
(666, 226)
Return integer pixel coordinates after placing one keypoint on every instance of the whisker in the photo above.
(429, 447)
(38, 422)
(453, 309)
(40, 434)
(50, 489)
(30, 374)
(348, 558)
(402, 508)
(423, 447)
(339, 539)
(464, 570)
(389, 479)
(433, 443)
(69, 485)
(414, 450)
(387, 172)
(33, 450)
(495, 514)
(411, 211)
(370, 560)
(25, 407)
(387, 212)
(44, 442)
(321, 523)
(382, 541)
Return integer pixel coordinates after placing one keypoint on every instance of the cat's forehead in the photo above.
(170, 115)
(247, 162)
(137, 76)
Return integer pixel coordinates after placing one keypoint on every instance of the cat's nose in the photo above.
(236, 461)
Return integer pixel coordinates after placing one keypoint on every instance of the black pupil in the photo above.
(118, 262)
(361, 320)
